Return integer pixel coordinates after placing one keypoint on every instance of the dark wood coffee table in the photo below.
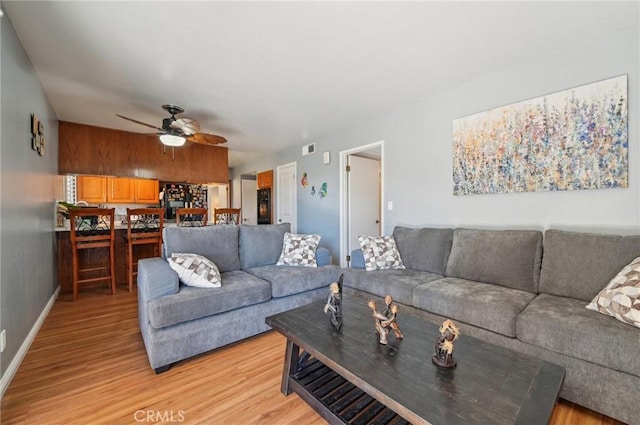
(348, 377)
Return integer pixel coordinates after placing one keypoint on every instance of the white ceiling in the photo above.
(270, 75)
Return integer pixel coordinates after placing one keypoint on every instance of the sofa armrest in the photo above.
(357, 259)
(156, 279)
(323, 256)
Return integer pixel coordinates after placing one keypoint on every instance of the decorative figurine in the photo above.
(387, 319)
(334, 303)
(444, 345)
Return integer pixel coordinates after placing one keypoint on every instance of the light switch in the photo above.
(390, 206)
(326, 157)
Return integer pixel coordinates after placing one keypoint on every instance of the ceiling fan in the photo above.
(177, 131)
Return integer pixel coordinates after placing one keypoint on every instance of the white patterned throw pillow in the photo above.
(380, 253)
(621, 297)
(196, 270)
(299, 250)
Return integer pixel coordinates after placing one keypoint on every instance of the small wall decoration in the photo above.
(37, 132)
(323, 190)
(334, 303)
(305, 180)
(444, 345)
(570, 140)
(386, 320)
(313, 190)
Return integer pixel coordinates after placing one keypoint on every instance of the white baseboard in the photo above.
(22, 352)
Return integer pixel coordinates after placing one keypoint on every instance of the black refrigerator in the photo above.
(264, 206)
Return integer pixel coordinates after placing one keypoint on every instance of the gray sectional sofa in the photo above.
(178, 321)
(519, 290)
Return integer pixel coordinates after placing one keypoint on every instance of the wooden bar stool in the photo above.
(91, 229)
(226, 215)
(191, 217)
(144, 227)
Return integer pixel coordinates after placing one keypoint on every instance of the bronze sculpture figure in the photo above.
(386, 320)
(443, 356)
(334, 303)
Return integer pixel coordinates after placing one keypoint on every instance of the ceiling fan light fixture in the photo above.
(172, 140)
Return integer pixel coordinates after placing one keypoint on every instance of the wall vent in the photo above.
(308, 149)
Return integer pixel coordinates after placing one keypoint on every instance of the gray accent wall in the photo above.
(28, 274)
(418, 151)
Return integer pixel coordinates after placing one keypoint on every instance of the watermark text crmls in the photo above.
(164, 416)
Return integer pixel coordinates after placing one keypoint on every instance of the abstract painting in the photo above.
(570, 140)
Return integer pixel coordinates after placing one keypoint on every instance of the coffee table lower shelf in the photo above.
(338, 400)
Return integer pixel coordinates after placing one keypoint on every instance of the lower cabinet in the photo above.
(92, 257)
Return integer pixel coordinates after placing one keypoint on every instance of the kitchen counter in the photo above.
(118, 227)
(100, 256)
(124, 226)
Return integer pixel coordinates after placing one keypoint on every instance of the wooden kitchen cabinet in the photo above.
(92, 189)
(146, 191)
(121, 190)
(265, 179)
(117, 190)
(90, 150)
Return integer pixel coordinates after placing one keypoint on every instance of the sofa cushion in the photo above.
(508, 258)
(238, 289)
(579, 265)
(195, 270)
(299, 250)
(397, 283)
(218, 243)
(564, 326)
(424, 249)
(287, 280)
(380, 253)
(491, 307)
(261, 245)
(621, 297)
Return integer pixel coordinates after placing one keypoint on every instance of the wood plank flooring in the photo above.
(88, 366)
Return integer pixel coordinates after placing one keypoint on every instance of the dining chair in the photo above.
(226, 215)
(191, 217)
(144, 227)
(92, 229)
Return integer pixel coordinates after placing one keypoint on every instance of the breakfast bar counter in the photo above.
(91, 257)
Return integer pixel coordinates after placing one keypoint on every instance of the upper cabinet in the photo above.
(91, 189)
(89, 150)
(121, 190)
(147, 191)
(116, 190)
(265, 179)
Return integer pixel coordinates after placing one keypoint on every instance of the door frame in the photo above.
(344, 195)
(294, 164)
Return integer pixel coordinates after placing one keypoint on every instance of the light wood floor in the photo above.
(88, 366)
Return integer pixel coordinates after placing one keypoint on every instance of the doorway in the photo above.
(219, 197)
(249, 199)
(361, 195)
(287, 195)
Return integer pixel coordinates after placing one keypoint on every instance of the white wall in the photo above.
(418, 151)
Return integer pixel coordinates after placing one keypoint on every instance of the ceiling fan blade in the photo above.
(140, 122)
(187, 125)
(206, 139)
